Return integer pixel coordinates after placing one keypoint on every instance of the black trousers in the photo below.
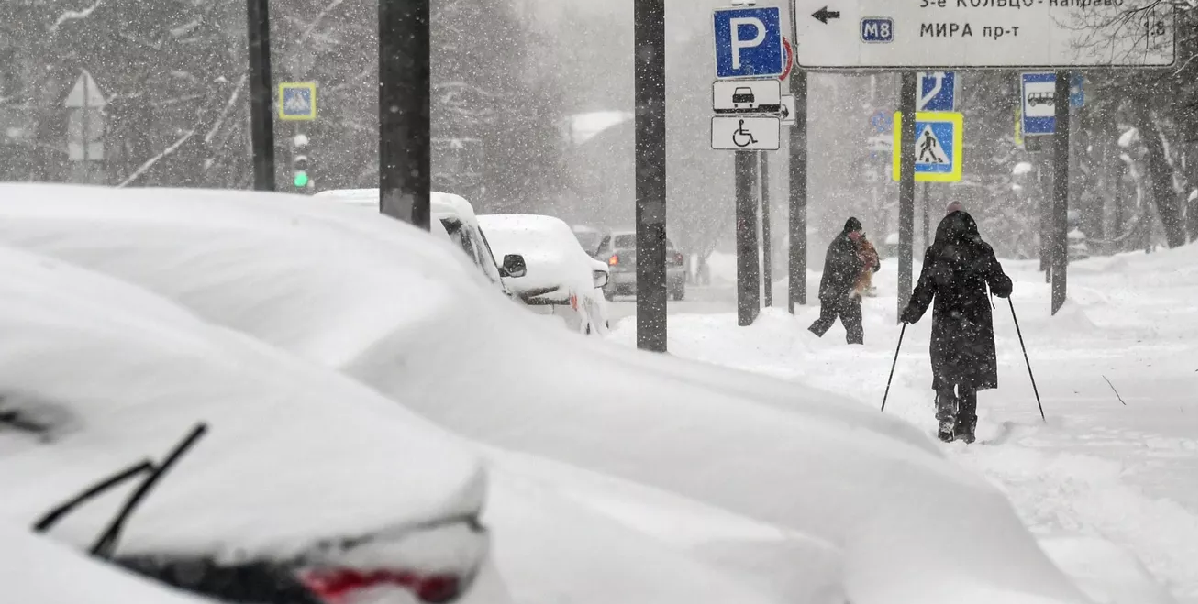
(848, 310)
(958, 405)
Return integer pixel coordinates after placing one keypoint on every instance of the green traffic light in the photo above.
(301, 179)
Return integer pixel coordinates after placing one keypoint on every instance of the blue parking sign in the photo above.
(748, 42)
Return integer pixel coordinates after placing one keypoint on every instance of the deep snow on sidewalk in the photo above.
(1106, 485)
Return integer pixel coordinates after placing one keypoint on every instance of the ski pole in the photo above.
(892, 366)
(1027, 360)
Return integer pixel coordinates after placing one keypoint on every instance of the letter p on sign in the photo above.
(739, 43)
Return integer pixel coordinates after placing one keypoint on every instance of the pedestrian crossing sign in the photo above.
(297, 101)
(939, 138)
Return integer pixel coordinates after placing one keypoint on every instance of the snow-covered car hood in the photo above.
(294, 453)
(35, 570)
(378, 301)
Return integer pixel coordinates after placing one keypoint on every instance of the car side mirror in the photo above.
(514, 266)
(600, 279)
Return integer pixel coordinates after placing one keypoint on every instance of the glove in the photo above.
(1003, 290)
(908, 316)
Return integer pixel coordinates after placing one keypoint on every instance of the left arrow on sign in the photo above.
(824, 14)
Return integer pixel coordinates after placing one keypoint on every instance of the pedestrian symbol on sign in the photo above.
(297, 101)
(930, 150)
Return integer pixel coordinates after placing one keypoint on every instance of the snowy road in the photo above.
(1103, 478)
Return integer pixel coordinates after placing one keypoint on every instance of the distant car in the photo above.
(203, 459)
(561, 279)
(618, 250)
(454, 216)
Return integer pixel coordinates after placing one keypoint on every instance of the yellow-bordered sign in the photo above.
(939, 142)
(297, 101)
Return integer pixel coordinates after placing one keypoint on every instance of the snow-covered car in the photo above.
(561, 279)
(453, 217)
(204, 459)
(35, 570)
(618, 250)
(876, 499)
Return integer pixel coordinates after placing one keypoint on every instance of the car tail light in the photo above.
(678, 259)
(614, 260)
(343, 585)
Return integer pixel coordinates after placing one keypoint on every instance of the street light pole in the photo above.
(649, 18)
(404, 130)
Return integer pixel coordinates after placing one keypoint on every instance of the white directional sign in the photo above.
(747, 96)
(746, 132)
(788, 110)
(980, 34)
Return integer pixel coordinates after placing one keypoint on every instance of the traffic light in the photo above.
(299, 171)
(299, 162)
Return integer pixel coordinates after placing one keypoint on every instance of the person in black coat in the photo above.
(956, 271)
(842, 266)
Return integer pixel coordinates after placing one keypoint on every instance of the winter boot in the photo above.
(946, 413)
(967, 418)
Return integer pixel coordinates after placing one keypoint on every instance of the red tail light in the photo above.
(613, 261)
(340, 585)
(678, 259)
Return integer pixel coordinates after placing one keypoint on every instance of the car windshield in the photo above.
(588, 240)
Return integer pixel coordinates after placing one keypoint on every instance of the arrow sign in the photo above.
(824, 14)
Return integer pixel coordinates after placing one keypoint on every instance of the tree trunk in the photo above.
(1160, 178)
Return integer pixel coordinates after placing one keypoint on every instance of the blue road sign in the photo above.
(937, 91)
(1038, 90)
(748, 42)
(297, 101)
(877, 30)
(939, 139)
(1077, 91)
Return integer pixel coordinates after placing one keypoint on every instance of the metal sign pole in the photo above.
(748, 274)
(651, 314)
(262, 132)
(1060, 198)
(798, 193)
(907, 100)
(767, 247)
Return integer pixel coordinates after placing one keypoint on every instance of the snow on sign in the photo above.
(297, 101)
(939, 137)
(746, 132)
(748, 42)
(981, 34)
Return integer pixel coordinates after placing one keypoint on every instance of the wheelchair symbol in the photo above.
(742, 135)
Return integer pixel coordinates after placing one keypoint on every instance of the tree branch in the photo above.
(154, 160)
(1108, 383)
(72, 15)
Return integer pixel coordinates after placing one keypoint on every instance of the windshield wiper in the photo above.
(106, 544)
(53, 516)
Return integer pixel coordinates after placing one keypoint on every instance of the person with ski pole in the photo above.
(842, 267)
(957, 269)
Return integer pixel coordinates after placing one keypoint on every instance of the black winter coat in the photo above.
(842, 266)
(956, 270)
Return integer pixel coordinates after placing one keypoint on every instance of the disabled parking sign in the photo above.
(939, 138)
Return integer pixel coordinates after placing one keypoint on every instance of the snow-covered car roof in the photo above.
(389, 309)
(440, 203)
(294, 453)
(549, 247)
(35, 570)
